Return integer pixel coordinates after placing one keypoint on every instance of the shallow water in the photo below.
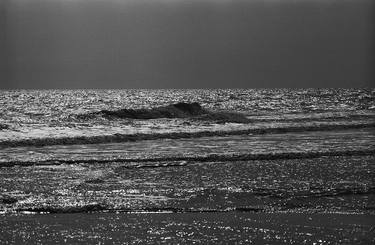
(225, 146)
(325, 184)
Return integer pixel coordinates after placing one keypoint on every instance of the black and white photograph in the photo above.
(187, 122)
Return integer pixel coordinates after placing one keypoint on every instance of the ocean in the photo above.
(187, 151)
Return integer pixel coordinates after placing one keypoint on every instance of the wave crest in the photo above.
(178, 110)
(118, 138)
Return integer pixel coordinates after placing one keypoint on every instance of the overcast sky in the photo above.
(186, 43)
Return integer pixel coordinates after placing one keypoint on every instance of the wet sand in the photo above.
(327, 200)
(188, 228)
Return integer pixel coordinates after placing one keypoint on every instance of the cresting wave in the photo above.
(118, 138)
(185, 160)
(178, 110)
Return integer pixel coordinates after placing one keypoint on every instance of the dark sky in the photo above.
(186, 43)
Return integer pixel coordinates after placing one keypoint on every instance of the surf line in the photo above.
(185, 160)
(118, 138)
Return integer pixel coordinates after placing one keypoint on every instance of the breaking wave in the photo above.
(118, 138)
(178, 110)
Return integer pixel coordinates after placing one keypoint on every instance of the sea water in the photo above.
(298, 149)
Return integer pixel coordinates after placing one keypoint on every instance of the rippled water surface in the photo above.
(54, 113)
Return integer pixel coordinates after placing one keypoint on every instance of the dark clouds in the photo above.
(187, 44)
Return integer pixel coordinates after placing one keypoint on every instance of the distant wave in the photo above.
(117, 138)
(321, 117)
(180, 161)
(178, 110)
